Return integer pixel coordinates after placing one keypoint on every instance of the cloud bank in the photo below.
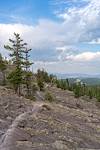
(55, 41)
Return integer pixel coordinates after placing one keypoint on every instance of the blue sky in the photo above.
(64, 34)
(28, 11)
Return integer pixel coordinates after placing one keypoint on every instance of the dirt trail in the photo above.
(7, 140)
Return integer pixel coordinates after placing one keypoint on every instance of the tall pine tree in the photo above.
(16, 48)
(27, 72)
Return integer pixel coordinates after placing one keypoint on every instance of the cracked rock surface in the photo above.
(65, 124)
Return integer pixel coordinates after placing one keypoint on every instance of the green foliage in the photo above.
(2, 64)
(20, 59)
(68, 85)
(77, 91)
(27, 73)
(63, 84)
(90, 94)
(44, 76)
(3, 67)
(16, 53)
(98, 95)
(15, 78)
(81, 89)
(49, 97)
(26, 62)
(40, 84)
(27, 80)
(34, 88)
(58, 83)
(16, 49)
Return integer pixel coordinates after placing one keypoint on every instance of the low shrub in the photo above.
(49, 97)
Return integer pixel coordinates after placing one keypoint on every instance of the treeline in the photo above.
(79, 88)
(86, 90)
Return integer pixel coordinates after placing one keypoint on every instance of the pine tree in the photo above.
(16, 48)
(28, 74)
(77, 90)
(3, 68)
(68, 85)
(40, 79)
(90, 94)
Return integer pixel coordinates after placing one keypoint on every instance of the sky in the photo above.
(64, 34)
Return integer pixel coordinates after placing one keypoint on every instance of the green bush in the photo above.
(98, 96)
(34, 88)
(40, 84)
(63, 84)
(49, 97)
(77, 91)
(90, 94)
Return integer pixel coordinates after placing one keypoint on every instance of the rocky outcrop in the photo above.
(65, 124)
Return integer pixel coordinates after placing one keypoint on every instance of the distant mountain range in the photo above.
(89, 79)
(77, 75)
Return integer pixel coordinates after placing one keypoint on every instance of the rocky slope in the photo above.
(65, 124)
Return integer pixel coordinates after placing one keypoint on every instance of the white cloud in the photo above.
(39, 37)
(82, 23)
(69, 67)
(66, 51)
(79, 25)
(85, 57)
(54, 41)
(96, 41)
